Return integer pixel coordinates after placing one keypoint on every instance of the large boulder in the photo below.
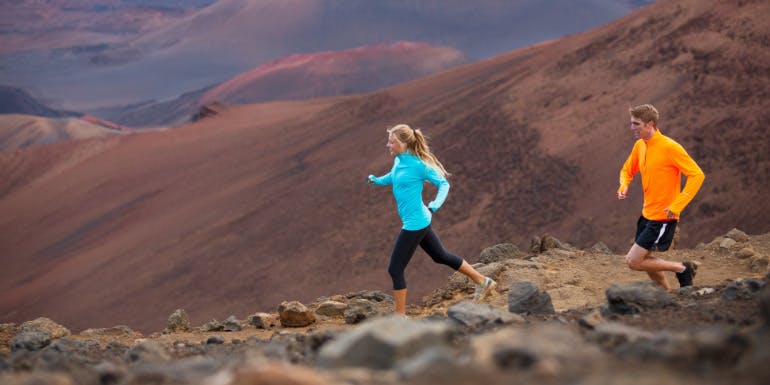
(383, 342)
(525, 298)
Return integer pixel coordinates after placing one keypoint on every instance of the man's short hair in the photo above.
(646, 113)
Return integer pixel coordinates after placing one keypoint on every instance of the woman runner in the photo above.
(413, 165)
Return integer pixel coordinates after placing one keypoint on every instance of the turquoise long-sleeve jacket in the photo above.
(407, 177)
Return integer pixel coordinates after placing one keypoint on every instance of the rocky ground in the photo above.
(561, 316)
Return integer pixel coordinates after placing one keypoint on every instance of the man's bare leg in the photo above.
(640, 259)
(659, 278)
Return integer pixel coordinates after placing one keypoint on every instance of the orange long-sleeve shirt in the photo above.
(661, 162)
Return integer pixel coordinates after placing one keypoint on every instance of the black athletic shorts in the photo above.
(654, 235)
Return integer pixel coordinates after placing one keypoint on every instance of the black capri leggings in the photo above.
(406, 244)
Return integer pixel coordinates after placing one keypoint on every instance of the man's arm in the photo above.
(630, 168)
(695, 178)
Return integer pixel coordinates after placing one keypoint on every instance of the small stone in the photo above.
(601, 248)
(726, 244)
(746, 252)
(703, 291)
(550, 242)
(231, 324)
(477, 316)
(37, 334)
(737, 235)
(30, 340)
(759, 263)
(535, 245)
(524, 297)
(263, 320)
(120, 330)
(148, 351)
(743, 289)
(213, 326)
(632, 298)
(331, 309)
(178, 321)
(592, 319)
(295, 314)
(359, 310)
(498, 253)
(53, 329)
(215, 340)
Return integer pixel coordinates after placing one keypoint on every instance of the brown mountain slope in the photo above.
(17, 130)
(269, 202)
(332, 73)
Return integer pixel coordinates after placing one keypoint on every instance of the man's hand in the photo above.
(670, 214)
(623, 193)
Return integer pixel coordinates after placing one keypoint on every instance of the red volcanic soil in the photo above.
(358, 70)
(268, 202)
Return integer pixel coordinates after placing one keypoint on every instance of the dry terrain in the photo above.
(268, 202)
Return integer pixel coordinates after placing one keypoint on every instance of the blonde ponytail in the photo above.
(417, 144)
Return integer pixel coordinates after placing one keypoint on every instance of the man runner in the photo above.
(661, 161)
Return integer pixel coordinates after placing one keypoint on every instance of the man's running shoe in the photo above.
(685, 277)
